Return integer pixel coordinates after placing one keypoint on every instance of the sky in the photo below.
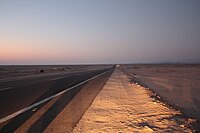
(99, 31)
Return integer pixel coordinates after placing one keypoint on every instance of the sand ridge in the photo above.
(124, 107)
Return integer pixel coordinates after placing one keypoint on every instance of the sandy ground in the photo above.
(122, 107)
(177, 84)
(9, 71)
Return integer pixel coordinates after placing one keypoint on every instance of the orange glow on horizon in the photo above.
(22, 52)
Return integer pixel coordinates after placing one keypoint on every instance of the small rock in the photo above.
(182, 126)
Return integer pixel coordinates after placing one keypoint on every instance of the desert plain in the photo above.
(10, 71)
(129, 98)
(177, 84)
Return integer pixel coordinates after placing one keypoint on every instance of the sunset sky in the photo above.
(99, 31)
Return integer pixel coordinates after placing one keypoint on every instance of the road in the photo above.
(19, 93)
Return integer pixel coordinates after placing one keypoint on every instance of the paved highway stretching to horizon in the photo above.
(20, 93)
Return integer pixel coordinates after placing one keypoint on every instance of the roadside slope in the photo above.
(124, 107)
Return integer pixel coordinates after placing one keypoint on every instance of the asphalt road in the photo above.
(18, 93)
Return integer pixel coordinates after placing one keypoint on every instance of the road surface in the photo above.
(19, 93)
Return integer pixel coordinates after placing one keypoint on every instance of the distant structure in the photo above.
(117, 65)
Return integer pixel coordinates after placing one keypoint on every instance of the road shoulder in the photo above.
(125, 107)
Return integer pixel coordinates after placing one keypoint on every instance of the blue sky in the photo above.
(99, 31)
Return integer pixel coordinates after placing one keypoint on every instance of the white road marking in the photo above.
(6, 118)
(7, 88)
(56, 78)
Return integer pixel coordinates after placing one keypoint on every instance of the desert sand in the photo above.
(124, 107)
(10, 71)
(179, 85)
